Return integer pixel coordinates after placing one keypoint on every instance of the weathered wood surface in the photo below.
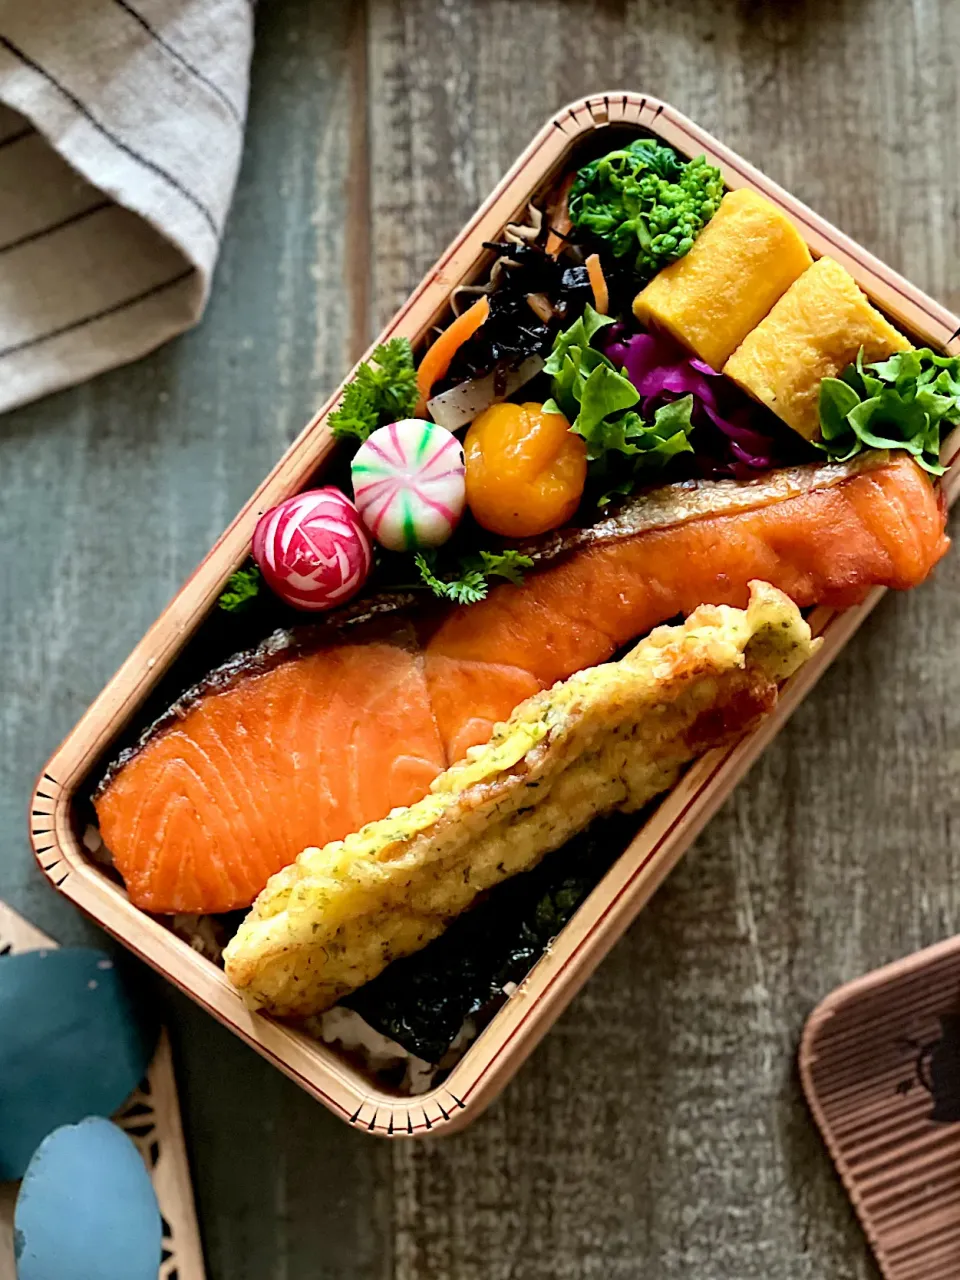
(659, 1130)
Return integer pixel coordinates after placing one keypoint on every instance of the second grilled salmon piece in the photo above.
(883, 526)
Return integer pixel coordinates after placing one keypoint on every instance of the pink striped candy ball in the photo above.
(313, 550)
(409, 484)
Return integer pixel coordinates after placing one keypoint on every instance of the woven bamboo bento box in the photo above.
(516, 1029)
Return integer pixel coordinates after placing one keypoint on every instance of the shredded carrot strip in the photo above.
(436, 362)
(601, 296)
(560, 223)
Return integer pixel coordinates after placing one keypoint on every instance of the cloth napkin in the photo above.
(121, 130)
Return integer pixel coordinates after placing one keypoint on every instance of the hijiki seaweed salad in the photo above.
(653, 405)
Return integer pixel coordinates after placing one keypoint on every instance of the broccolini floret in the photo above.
(643, 199)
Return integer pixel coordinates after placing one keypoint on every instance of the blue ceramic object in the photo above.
(72, 1045)
(87, 1209)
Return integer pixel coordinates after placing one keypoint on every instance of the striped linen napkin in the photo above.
(121, 129)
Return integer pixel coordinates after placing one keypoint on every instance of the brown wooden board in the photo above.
(880, 1063)
(628, 886)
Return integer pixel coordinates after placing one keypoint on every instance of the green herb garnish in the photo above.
(644, 200)
(900, 403)
(599, 402)
(470, 587)
(383, 390)
(242, 587)
(472, 583)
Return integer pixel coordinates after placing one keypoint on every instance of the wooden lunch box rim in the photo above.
(602, 918)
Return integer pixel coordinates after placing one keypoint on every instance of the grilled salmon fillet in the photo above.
(610, 738)
(243, 776)
(273, 754)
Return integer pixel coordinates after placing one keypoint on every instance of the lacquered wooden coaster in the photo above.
(880, 1063)
(151, 1117)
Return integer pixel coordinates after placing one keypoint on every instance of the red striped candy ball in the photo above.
(313, 550)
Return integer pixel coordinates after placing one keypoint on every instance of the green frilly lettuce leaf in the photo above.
(600, 404)
(905, 402)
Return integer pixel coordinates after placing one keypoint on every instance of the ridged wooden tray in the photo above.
(880, 1064)
(510, 1037)
(151, 1116)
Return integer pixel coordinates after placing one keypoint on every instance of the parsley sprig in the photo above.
(242, 588)
(383, 390)
(475, 572)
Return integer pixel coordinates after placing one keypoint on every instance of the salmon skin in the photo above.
(311, 737)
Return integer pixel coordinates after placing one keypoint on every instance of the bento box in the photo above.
(665, 833)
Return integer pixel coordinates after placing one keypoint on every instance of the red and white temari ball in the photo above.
(313, 549)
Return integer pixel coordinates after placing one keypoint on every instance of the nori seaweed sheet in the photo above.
(422, 1000)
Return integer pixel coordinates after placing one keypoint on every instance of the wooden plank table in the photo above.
(374, 130)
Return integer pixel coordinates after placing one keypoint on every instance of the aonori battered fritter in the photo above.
(608, 738)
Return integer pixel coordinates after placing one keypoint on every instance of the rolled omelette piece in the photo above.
(744, 259)
(814, 331)
(609, 738)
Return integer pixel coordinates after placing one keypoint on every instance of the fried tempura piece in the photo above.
(611, 737)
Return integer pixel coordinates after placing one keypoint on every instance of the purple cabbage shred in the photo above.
(726, 440)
